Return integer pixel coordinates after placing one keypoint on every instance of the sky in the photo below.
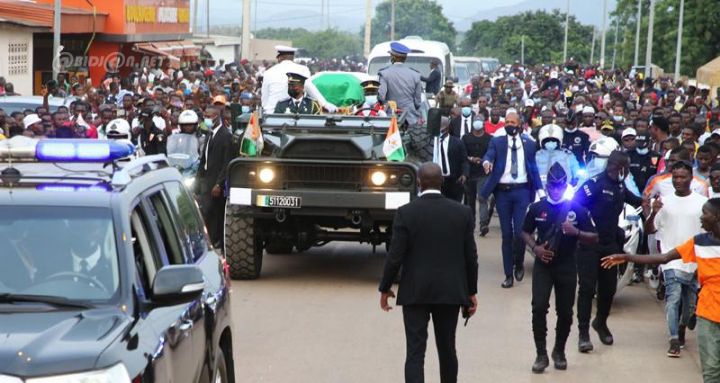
(349, 14)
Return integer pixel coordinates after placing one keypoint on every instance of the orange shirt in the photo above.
(704, 250)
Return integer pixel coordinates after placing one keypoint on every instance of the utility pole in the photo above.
(195, 16)
(604, 31)
(56, 38)
(679, 41)
(368, 27)
(592, 49)
(392, 20)
(322, 13)
(208, 17)
(255, 7)
(617, 30)
(637, 33)
(522, 50)
(567, 23)
(245, 42)
(648, 50)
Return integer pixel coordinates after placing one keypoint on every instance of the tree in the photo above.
(422, 18)
(326, 44)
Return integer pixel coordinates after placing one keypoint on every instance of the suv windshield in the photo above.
(419, 63)
(58, 252)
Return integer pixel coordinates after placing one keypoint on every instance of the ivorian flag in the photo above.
(392, 147)
(252, 141)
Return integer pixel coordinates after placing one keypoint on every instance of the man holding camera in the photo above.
(560, 224)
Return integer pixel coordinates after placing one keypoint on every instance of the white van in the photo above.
(422, 53)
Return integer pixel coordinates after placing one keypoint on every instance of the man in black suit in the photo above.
(87, 256)
(451, 157)
(433, 242)
(432, 81)
(462, 124)
(212, 172)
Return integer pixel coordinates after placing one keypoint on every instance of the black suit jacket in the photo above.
(433, 242)
(432, 81)
(456, 124)
(218, 157)
(457, 155)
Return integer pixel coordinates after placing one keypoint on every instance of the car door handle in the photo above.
(186, 325)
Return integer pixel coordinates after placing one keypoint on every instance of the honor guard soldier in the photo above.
(400, 83)
(298, 102)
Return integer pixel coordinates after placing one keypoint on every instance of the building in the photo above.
(16, 58)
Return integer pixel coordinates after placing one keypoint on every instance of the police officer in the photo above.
(577, 141)
(604, 195)
(550, 136)
(560, 224)
(643, 161)
(298, 102)
(151, 139)
(400, 83)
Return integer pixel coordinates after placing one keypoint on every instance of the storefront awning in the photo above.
(183, 48)
(153, 50)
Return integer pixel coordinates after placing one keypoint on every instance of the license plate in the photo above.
(279, 201)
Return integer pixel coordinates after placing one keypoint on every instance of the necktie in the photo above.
(84, 266)
(514, 158)
(443, 157)
(466, 128)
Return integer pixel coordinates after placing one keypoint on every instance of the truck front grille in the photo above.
(344, 177)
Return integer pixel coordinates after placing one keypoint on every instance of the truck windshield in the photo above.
(419, 63)
(59, 252)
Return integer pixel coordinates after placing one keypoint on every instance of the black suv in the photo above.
(107, 274)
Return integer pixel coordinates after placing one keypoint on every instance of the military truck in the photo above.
(319, 179)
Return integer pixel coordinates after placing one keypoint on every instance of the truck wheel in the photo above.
(243, 250)
(279, 247)
(420, 143)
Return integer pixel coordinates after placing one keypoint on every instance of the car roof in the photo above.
(12, 104)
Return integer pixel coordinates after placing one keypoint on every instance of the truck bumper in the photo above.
(312, 200)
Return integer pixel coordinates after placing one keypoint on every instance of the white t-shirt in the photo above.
(676, 222)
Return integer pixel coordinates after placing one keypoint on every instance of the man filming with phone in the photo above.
(560, 224)
(433, 241)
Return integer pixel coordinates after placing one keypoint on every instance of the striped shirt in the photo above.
(704, 250)
(661, 185)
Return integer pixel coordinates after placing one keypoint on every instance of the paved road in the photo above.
(314, 317)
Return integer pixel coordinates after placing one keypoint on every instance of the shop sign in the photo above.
(148, 14)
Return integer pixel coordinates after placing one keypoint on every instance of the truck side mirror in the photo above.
(433, 121)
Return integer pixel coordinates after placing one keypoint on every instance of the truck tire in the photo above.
(243, 250)
(420, 143)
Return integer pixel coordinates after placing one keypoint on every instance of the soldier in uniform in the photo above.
(401, 84)
(371, 106)
(551, 137)
(298, 102)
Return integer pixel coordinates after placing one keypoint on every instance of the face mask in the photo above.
(187, 92)
(571, 130)
(209, 122)
(371, 100)
(245, 109)
(511, 130)
(552, 145)
(466, 111)
(642, 151)
(618, 118)
(477, 125)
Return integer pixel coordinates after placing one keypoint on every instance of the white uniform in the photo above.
(275, 86)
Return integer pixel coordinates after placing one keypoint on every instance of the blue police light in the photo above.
(81, 150)
(569, 193)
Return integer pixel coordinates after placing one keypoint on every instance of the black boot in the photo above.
(681, 336)
(541, 363)
(584, 343)
(558, 357)
(603, 331)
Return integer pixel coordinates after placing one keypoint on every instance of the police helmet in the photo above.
(550, 131)
(118, 129)
(603, 146)
(188, 117)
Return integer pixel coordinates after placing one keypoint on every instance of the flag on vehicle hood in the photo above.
(393, 147)
(252, 141)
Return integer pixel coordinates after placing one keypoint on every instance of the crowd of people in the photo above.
(556, 150)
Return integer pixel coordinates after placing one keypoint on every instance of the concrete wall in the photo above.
(262, 49)
(225, 52)
(16, 48)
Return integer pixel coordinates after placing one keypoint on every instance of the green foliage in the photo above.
(700, 40)
(544, 35)
(326, 44)
(422, 18)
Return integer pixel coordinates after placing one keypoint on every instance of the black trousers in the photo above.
(213, 210)
(594, 278)
(452, 189)
(562, 277)
(445, 319)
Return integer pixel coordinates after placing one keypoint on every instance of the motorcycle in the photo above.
(183, 154)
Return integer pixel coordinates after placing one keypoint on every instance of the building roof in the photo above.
(31, 14)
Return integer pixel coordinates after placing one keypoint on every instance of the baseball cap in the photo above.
(30, 120)
(219, 99)
(629, 132)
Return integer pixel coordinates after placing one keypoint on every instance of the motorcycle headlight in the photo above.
(189, 181)
(116, 373)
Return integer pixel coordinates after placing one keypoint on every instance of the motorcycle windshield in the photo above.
(183, 150)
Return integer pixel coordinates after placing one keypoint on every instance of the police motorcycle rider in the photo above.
(183, 148)
(598, 154)
(550, 137)
(119, 130)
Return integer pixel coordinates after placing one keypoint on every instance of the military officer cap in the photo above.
(556, 175)
(296, 78)
(370, 84)
(398, 49)
(285, 50)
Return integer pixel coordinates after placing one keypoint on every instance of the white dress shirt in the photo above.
(92, 261)
(429, 191)
(275, 86)
(522, 172)
(444, 143)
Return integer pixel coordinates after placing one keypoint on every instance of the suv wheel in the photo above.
(220, 373)
(420, 143)
(243, 249)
